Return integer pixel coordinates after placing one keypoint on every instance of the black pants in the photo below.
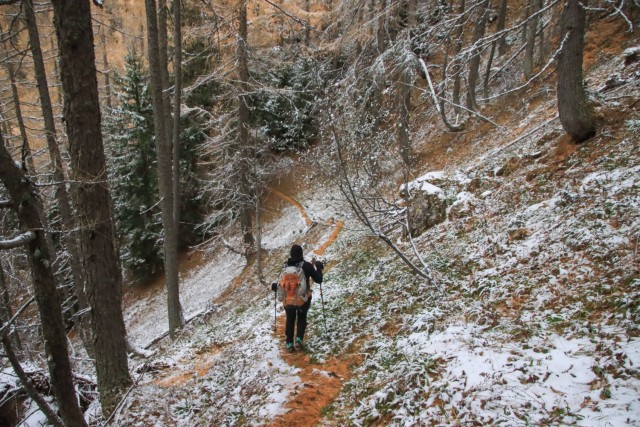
(298, 314)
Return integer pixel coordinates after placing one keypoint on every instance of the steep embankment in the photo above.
(533, 319)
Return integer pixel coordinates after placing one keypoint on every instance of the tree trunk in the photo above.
(474, 62)
(456, 66)
(163, 48)
(381, 29)
(107, 71)
(307, 29)
(56, 72)
(27, 156)
(573, 108)
(243, 131)
(502, 17)
(5, 309)
(531, 39)
(62, 197)
(259, 271)
(404, 105)
(163, 147)
(542, 48)
(28, 206)
(93, 203)
(525, 19)
(177, 72)
(412, 13)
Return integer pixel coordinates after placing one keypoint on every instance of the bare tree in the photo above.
(502, 17)
(456, 65)
(177, 89)
(5, 309)
(26, 204)
(92, 199)
(528, 63)
(573, 105)
(474, 62)
(27, 156)
(61, 194)
(165, 175)
(243, 129)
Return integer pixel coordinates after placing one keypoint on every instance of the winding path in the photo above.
(320, 382)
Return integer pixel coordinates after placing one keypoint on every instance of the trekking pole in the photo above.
(324, 315)
(275, 312)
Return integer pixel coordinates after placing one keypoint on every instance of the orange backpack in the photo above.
(293, 289)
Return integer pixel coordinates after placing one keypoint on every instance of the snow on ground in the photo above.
(147, 318)
(288, 226)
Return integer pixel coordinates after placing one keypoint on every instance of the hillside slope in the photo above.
(533, 321)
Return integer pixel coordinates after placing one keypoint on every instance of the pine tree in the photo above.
(133, 171)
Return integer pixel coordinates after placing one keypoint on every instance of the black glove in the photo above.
(319, 265)
(274, 286)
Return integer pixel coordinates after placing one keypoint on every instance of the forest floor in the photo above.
(533, 317)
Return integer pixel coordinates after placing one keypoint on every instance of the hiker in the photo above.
(297, 300)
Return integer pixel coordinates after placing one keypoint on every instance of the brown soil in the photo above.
(201, 365)
(332, 238)
(320, 384)
(295, 203)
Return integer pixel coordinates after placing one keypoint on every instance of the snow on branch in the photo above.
(8, 324)
(18, 241)
(5, 204)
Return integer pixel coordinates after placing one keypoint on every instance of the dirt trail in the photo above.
(320, 382)
(295, 203)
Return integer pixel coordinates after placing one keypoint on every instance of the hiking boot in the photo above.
(299, 345)
(290, 347)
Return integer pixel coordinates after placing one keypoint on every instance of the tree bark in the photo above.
(5, 309)
(404, 105)
(529, 49)
(61, 195)
(502, 17)
(177, 88)
(27, 206)
(307, 29)
(412, 13)
(456, 66)
(246, 216)
(106, 72)
(474, 62)
(27, 156)
(92, 199)
(573, 107)
(163, 147)
(381, 34)
(163, 49)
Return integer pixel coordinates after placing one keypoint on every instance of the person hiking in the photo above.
(297, 298)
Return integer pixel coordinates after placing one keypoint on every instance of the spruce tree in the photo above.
(133, 171)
